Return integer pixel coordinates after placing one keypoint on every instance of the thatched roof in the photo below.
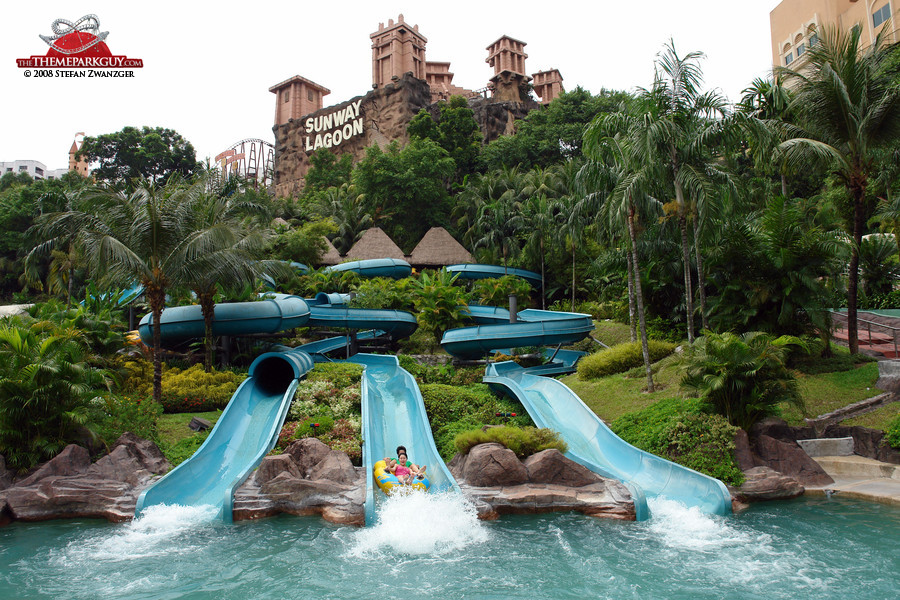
(438, 249)
(374, 243)
(331, 256)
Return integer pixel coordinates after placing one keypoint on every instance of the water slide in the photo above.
(249, 425)
(477, 271)
(553, 405)
(376, 267)
(393, 414)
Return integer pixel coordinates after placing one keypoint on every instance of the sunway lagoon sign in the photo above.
(334, 128)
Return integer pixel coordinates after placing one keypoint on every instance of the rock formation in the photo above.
(499, 483)
(70, 486)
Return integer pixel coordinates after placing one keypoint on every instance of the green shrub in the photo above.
(341, 375)
(383, 293)
(621, 358)
(892, 433)
(496, 291)
(452, 409)
(184, 390)
(523, 441)
(705, 443)
(679, 430)
(118, 414)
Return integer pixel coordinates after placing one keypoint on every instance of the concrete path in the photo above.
(860, 477)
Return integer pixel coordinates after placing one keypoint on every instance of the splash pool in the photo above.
(427, 547)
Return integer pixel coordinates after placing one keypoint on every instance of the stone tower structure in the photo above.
(547, 85)
(397, 49)
(297, 97)
(79, 166)
(507, 57)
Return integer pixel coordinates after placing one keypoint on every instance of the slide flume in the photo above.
(393, 414)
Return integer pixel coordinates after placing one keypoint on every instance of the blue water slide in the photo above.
(236, 318)
(243, 435)
(533, 328)
(393, 414)
(376, 267)
(476, 271)
(553, 405)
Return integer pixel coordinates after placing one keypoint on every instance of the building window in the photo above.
(23, 167)
(881, 15)
(813, 39)
(801, 48)
(287, 95)
(788, 58)
(39, 170)
(309, 95)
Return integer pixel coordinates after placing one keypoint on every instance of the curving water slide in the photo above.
(249, 425)
(553, 405)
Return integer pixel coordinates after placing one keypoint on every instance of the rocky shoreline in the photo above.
(311, 479)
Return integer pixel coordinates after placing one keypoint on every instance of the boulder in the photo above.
(146, 453)
(550, 466)
(73, 460)
(763, 483)
(608, 499)
(273, 466)
(307, 453)
(79, 496)
(743, 452)
(335, 467)
(789, 458)
(493, 465)
(6, 476)
(337, 503)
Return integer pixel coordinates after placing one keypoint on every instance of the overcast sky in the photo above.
(208, 65)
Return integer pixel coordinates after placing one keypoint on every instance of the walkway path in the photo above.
(13, 309)
(860, 477)
(879, 331)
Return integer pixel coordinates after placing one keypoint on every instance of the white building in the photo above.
(35, 168)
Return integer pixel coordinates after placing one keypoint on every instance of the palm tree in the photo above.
(46, 379)
(147, 235)
(848, 106)
(743, 377)
(348, 211)
(222, 250)
(765, 101)
(618, 168)
(673, 138)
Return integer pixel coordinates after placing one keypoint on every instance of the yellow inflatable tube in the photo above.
(388, 483)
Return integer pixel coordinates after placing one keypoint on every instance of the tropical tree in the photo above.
(674, 138)
(147, 235)
(619, 172)
(743, 377)
(153, 153)
(848, 106)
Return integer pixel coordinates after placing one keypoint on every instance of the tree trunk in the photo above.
(701, 279)
(632, 316)
(688, 287)
(157, 299)
(784, 189)
(686, 256)
(859, 207)
(543, 283)
(645, 349)
(573, 275)
(208, 308)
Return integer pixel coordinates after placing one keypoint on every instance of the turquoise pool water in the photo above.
(432, 547)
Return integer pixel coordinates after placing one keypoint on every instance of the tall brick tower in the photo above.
(297, 97)
(397, 49)
(507, 56)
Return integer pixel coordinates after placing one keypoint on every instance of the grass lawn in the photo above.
(877, 419)
(826, 392)
(611, 332)
(614, 396)
(174, 428)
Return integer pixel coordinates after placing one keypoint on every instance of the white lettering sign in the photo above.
(334, 128)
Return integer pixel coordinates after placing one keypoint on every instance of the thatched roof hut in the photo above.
(438, 249)
(331, 256)
(374, 243)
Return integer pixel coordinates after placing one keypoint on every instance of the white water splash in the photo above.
(149, 535)
(421, 524)
(720, 546)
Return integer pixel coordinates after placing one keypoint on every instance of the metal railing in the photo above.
(869, 325)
